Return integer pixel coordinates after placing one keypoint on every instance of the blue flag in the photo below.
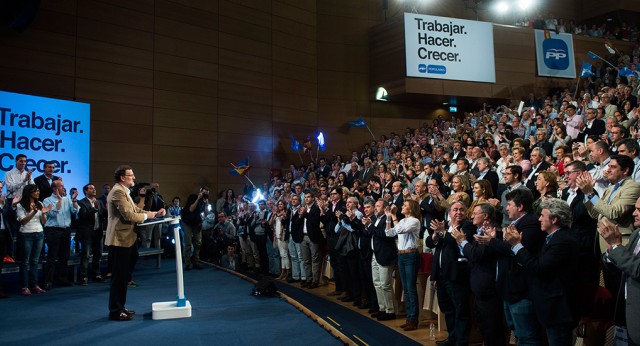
(241, 168)
(625, 72)
(295, 145)
(586, 70)
(321, 143)
(592, 55)
(358, 123)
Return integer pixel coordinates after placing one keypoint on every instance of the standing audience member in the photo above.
(408, 232)
(309, 225)
(45, 180)
(57, 233)
(31, 215)
(91, 223)
(192, 217)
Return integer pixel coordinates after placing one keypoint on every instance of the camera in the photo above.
(205, 196)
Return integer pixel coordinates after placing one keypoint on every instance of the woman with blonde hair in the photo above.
(547, 185)
(482, 191)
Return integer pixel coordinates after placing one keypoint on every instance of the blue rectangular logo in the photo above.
(437, 69)
(556, 54)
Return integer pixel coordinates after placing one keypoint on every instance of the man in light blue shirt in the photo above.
(57, 233)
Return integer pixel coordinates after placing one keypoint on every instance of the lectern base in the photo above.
(170, 310)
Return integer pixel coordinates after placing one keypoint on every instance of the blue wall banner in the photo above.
(554, 54)
(45, 129)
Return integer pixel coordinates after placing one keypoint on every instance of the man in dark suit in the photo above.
(44, 181)
(121, 236)
(485, 172)
(458, 151)
(330, 220)
(539, 163)
(551, 271)
(365, 252)
(309, 223)
(91, 222)
(367, 170)
(512, 280)
(384, 259)
(395, 199)
(583, 228)
(424, 195)
(323, 168)
(352, 175)
(540, 141)
(592, 127)
(625, 258)
(291, 220)
(483, 276)
(450, 271)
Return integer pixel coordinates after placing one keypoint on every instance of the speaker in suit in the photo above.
(123, 215)
(627, 259)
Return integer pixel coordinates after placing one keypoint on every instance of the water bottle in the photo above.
(432, 331)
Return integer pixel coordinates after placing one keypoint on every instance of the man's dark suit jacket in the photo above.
(482, 262)
(86, 216)
(597, 128)
(546, 146)
(330, 220)
(429, 213)
(384, 248)
(492, 178)
(44, 186)
(552, 272)
(312, 218)
(447, 249)
(512, 282)
(584, 231)
(351, 177)
(296, 232)
(324, 171)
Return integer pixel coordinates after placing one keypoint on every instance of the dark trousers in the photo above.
(261, 244)
(453, 298)
(59, 245)
(90, 243)
(350, 273)
(333, 260)
(489, 312)
(5, 237)
(121, 273)
(14, 227)
(366, 281)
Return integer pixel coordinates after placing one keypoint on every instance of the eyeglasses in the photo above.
(475, 214)
(129, 175)
(570, 172)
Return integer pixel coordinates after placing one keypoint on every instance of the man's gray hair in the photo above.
(558, 209)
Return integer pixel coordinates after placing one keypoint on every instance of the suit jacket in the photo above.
(398, 203)
(384, 248)
(44, 186)
(224, 261)
(584, 231)
(552, 286)
(363, 240)
(86, 216)
(531, 182)
(512, 282)
(546, 146)
(482, 262)
(462, 153)
(367, 174)
(296, 232)
(324, 170)
(429, 212)
(351, 177)
(448, 252)
(330, 220)
(493, 179)
(623, 258)
(312, 218)
(597, 128)
(123, 217)
(619, 210)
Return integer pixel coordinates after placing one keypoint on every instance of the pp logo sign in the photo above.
(556, 55)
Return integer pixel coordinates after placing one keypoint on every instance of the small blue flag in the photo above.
(321, 143)
(295, 145)
(592, 55)
(241, 168)
(586, 70)
(358, 123)
(625, 72)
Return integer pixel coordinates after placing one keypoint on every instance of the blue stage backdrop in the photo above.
(46, 129)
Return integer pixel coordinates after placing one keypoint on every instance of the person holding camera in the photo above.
(192, 217)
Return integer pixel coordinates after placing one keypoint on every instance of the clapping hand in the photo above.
(512, 236)
(585, 182)
(458, 235)
(609, 232)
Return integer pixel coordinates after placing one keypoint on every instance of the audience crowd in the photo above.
(533, 213)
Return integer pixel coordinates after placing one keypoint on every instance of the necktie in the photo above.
(637, 249)
(615, 187)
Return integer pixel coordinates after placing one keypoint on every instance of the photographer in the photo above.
(192, 216)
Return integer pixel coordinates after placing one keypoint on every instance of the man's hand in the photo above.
(585, 182)
(27, 177)
(47, 208)
(458, 235)
(609, 232)
(512, 236)
(161, 212)
(75, 195)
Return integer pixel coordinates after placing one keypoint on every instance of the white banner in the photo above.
(45, 129)
(449, 48)
(554, 54)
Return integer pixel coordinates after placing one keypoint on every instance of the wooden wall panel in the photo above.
(185, 31)
(120, 93)
(231, 124)
(184, 84)
(186, 66)
(186, 49)
(187, 102)
(173, 118)
(184, 137)
(107, 111)
(114, 53)
(115, 14)
(110, 132)
(37, 61)
(114, 73)
(181, 155)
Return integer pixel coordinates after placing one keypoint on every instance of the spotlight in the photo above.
(525, 4)
(502, 7)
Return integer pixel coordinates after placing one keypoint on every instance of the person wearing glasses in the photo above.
(121, 236)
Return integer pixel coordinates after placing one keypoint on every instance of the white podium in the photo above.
(180, 308)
